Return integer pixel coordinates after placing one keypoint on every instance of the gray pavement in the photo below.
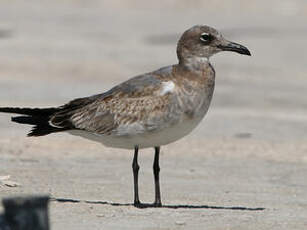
(249, 152)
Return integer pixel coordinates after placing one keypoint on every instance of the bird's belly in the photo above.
(146, 139)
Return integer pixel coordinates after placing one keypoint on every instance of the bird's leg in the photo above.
(156, 170)
(135, 168)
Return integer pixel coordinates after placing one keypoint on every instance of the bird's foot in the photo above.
(157, 204)
(146, 205)
(138, 204)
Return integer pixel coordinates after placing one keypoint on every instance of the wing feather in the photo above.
(135, 104)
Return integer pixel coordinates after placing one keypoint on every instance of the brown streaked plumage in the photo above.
(149, 110)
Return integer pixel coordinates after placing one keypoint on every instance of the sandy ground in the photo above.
(244, 167)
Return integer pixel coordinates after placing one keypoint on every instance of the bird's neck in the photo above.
(195, 63)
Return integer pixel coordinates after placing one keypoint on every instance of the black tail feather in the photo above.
(37, 117)
(29, 111)
(42, 130)
(40, 117)
(30, 120)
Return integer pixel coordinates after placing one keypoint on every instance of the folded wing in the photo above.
(140, 104)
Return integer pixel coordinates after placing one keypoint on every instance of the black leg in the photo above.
(136, 167)
(156, 170)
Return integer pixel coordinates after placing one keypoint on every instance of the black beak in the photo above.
(235, 47)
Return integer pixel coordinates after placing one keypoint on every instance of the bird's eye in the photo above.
(205, 37)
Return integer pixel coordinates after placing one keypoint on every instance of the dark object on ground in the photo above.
(25, 213)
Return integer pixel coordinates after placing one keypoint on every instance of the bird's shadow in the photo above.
(148, 205)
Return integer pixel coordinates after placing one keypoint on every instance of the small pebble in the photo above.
(9, 183)
(180, 222)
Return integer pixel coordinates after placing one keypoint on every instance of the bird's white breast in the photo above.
(144, 140)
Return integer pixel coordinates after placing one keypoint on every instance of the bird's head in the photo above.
(203, 41)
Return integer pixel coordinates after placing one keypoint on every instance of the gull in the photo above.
(146, 111)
